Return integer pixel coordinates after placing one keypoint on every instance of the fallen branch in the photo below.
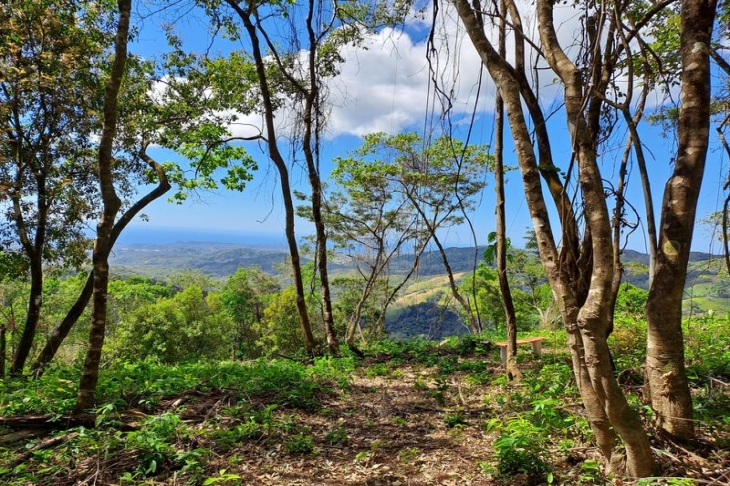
(46, 444)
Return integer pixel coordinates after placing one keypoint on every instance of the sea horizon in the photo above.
(140, 235)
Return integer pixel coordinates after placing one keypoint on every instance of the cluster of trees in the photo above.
(185, 318)
(190, 317)
(79, 112)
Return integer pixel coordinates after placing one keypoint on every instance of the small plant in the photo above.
(337, 436)
(666, 482)
(222, 477)
(369, 456)
(407, 456)
(420, 384)
(519, 451)
(399, 421)
(300, 444)
(192, 462)
(378, 369)
(591, 472)
(455, 419)
(153, 441)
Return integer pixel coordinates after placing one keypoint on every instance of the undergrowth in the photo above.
(159, 423)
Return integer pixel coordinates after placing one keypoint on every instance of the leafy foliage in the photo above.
(186, 327)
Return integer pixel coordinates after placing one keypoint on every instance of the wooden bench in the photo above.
(536, 347)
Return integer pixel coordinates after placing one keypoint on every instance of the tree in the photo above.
(180, 102)
(290, 75)
(111, 205)
(278, 326)
(11, 293)
(202, 140)
(670, 396)
(51, 57)
(245, 296)
(488, 299)
(249, 15)
(439, 179)
(580, 275)
(500, 235)
(186, 327)
(372, 222)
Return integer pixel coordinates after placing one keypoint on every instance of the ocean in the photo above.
(141, 234)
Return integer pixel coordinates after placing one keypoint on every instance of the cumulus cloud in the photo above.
(386, 83)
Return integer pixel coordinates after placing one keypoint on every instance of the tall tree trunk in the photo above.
(61, 331)
(321, 237)
(311, 137)
(35, 303)
(281, 167)
(3, 349)
(33, 248)
(665, 367)
(592, 319)
(513, 371)
(353, 323)
(606, 406)
(111, 205)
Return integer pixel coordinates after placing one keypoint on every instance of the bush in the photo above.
(185, 328)
(519, 451)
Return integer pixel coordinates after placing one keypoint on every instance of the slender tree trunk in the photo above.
(354, 321)
(327, 314)
(321, 240)
(35, 303)
(606, 406)
(111, 205)
(278, 160)
(665, 367)
(311, 131)
(592, 319)
(61, 331)
(3, 349)
(725, 217)
(33, 248)
(513, 371)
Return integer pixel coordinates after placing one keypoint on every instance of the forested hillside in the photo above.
(422, 307)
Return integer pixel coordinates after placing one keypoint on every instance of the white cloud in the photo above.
(385, 84)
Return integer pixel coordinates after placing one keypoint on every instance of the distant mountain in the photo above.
(223, 259)
(461, 259)
(417, 311)
(218, 259)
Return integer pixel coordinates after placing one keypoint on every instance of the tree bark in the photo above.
(35, 303)
(311, 131)
(665, 369)
(603, 393)
(34, 250)
(111, 205)
(513, 371)
(3, 349)
(584, 318)
(281, 167)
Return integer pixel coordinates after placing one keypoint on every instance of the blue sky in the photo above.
(386, 88)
